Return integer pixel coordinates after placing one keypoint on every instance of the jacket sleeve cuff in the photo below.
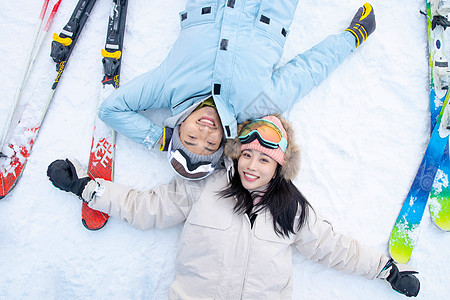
(350, 38)
(153, 136)
(91, 190)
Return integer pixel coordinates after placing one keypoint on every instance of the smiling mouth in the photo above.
(207, 121)
(250, 177)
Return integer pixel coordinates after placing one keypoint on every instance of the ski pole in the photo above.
(36, 43)
(41, 38)
(25, 133)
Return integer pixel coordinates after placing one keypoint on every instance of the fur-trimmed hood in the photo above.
(291, 164)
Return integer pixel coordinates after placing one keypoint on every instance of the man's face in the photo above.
(201, 132)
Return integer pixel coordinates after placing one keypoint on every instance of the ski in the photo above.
(439, 202)
(405, 231)
(404, 234)
(22, 140)
(101, 159)
(36, 42)
(439, 199)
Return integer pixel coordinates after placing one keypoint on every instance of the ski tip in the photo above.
(399, 255)
(91, 227)
(400, 246)
(93, 219)
(400, 258)
(444, 226)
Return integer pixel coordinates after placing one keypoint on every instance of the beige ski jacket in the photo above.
(221, 256)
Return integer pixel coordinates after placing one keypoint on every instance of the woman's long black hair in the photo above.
(282, 199)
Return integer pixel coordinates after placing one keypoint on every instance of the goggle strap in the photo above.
(191, 167)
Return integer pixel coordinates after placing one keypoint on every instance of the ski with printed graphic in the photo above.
(101, 158)
(437, 14)
(406, 228)
(19, 145)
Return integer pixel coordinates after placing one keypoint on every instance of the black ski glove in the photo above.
(363, 23)
(401, 278)
(63, 174)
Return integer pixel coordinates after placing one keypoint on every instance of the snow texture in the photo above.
(363, 133)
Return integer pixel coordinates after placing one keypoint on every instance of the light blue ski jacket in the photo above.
(227, 48)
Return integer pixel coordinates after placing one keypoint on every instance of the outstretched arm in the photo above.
(318, 241)
(164, 206)
(121, 109)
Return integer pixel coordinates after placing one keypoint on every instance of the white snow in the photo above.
(362, 132)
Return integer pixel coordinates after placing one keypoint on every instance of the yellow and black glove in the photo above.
(363, 23)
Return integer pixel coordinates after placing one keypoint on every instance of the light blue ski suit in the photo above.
(227, 48)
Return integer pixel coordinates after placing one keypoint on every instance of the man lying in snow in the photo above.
(220, 71)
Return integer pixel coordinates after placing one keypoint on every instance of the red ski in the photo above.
(101, 159)
(15, 151)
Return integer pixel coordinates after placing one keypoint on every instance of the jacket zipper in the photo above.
(187, 99)
(249, 250)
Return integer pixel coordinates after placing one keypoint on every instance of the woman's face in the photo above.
(255, 169)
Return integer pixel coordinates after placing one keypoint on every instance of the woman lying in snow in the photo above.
(241, 223)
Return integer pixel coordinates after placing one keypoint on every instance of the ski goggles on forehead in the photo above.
(181, 164)
(268, 134)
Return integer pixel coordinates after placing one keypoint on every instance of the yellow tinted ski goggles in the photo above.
(266, 132)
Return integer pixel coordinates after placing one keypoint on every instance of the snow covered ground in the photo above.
(363, 133)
